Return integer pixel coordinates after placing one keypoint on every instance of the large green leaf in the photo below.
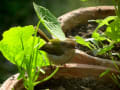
(49, 21)
(17, 43)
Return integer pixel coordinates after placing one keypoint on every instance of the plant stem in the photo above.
(31, 87)
(50, 76)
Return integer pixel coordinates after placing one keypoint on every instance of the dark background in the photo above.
(21, 13)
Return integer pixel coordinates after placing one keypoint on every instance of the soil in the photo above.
(86, 31)
(88, 83)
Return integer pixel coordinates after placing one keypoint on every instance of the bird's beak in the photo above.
(42, 48)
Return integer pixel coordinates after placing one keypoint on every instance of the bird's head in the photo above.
(57, 47)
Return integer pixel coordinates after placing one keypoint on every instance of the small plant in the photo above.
(111, 35)
(21, 46)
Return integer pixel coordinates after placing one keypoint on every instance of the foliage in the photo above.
(21, 48)
(111, 35)
(20, 45)
(113, 30)
(81, 41)
(113, 76)
(17, 42)
(49, 21)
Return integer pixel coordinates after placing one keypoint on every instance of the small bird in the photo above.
(59, 52)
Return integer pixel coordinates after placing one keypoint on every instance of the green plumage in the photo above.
(57, 47)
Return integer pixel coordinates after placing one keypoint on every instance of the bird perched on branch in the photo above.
(58, 52)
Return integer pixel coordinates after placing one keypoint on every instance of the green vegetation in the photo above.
(111, 35)
(20, 45)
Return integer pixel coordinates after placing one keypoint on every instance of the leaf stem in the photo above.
(50, 76)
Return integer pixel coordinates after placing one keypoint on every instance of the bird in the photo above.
(58, 51)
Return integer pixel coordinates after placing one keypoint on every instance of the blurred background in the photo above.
(21, 13)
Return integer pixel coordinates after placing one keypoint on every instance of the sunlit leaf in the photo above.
(104, 73)
(104, 21)
(82, 41)
(49, 21)
(113, 30)
(16, 45)
(101, 23)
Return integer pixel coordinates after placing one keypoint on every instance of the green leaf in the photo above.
(49, 21)
(95, 35)
(113, 30)
(104, 73)
(16, 46)
(81, 41)
(104, 21)
(101, 23)
(98, 37)
(103, 50)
